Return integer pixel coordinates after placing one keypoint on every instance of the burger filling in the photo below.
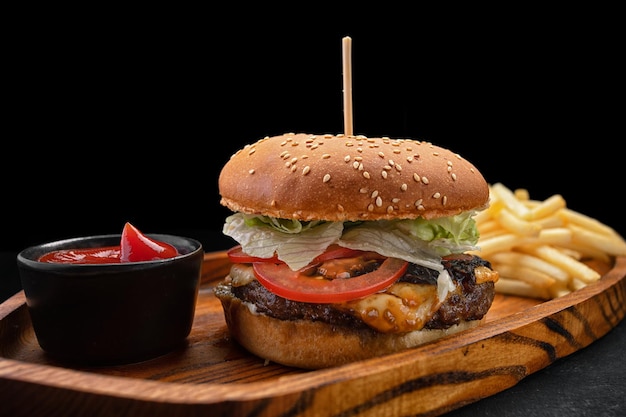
(410, 303)
(393, 276)
(298, 244)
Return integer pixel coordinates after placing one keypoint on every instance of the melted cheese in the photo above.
(403, 307)
(484, 274)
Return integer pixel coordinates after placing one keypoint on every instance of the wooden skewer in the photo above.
(347, 85)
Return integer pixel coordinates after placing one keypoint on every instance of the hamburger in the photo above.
(350, 247)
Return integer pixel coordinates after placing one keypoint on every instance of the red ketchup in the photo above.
(134, 247)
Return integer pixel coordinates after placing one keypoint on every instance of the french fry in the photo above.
(586, 251)
(587, 222)
(517, 225)
(511, 286)
(547, 207)
(556, 236)
(572, 266)
(608, 243)
(505, 195)
(526, 261)
(497, 243)
(525, 274)
(522, 194)
(540, 248)
(490, 226)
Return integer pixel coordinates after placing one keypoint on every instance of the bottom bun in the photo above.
(314, 345)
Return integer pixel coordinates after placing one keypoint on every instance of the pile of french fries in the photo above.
(538, 247)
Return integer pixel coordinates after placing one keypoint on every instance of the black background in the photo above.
(115, 115)
(120, 115)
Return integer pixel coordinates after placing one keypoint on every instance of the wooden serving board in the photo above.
(212, 375)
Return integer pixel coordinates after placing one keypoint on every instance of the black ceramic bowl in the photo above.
(115, 313)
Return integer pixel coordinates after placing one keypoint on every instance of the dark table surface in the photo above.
(589, 382)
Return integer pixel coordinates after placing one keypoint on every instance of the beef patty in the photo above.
(471, 303)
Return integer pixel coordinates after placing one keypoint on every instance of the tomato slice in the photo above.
(336, 251)
(237, 256)
(297, 286)
(136, 247)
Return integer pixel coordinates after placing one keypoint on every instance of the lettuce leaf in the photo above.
(295, 243)
(419, 241)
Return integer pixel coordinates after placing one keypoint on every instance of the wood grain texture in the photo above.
(212, 375)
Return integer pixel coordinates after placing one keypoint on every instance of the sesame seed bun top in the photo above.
(349, 178)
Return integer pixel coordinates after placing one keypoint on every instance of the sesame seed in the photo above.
(346, 158)
(326, 178)
(398, 167)
(435, 153)
(374, 194)
(284, 154)
(395, 200)
(251, 171)
(293, 168)
(384, 174)
(391, 162)
(273, 203)
(381, 154)
(387, 168)
(416, 177)
(253, 150)
(359, 149)
(454, 176)
(379, 201)
(389, 209)
(425, 180)
(437, 195)
(363, 190)
(403, 187)
(409, 159)
(366, 174)
(283, 143)
(355, 165)
(358, 158)
(306, 170)
(419, 202)
(370, 207)
(396, 151)
(420, 207)
(444, 201)
(326, 156)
